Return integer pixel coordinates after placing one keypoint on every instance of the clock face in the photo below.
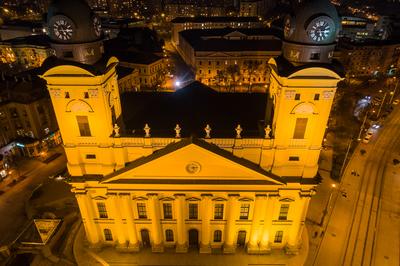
(320, 29)
(63, 28)
(97, 26)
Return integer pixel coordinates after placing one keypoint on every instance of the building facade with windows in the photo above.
(197, 168)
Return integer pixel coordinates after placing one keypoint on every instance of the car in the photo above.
(368, 137)
(396, 102)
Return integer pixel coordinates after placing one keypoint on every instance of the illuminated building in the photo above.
(250, 8)
(188, 23)
(27, 52)
(142, 180)
(357, 29)
(193, 8)
(230, 59)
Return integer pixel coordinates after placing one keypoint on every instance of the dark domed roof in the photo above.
(305, 14)
(79, 12)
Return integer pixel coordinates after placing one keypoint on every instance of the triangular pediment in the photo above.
(194, 161)
(235, 34)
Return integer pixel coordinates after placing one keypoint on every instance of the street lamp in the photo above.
(325, 212)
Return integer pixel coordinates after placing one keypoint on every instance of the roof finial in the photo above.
(238, 130)
(147, 131)
(267, 130)
(116, 131)
(177, 131)
(208, 131)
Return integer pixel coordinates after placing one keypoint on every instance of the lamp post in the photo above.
(392, 93)
(325, 212)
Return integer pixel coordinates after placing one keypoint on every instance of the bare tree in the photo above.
(233, 74)
(251, 67)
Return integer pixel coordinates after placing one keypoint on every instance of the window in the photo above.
(141, 207)
(209, 71)
(283, 212)
(217, 236)
(278, 237)
(86, 95)
(300, 128)
(244, 211)
(219, 211)
(83, 124)
(68, 54)
(316, 97)
(67, 95)
(297, 96)
(167, 208)
(314, 56)
(193, 211)
(294, 158)
(200, 63)
(108, 235)
(169, 235)
(101, 206)
(90, 156)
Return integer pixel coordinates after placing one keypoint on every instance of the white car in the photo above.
(396, 102)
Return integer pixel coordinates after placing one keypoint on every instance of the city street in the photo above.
(12, 202)
(362, 224)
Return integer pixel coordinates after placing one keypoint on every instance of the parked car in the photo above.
(396, 102)
(368, 136)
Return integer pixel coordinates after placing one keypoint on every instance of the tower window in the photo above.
(297, 96)
(83, 124)
(68, 54)
(86, 95)
(90, 156)
(316, 97)
(315, 56)
(294, 158)
(67, 95)
(300, 128)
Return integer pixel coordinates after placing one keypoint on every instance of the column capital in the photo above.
(234, 196)
(261, 196)
(125, 195)
(178, 195)
(112, 195)
(152, 195)
(206, 195)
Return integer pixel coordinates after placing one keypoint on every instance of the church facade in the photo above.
(194, 169)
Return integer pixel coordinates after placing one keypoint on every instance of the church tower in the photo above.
(303, 84)
(82, 85)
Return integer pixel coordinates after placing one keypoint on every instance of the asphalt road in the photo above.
(363, 222)
(12, 202)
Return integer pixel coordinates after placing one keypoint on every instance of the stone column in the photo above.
(181, 243)
(298, 215)
(256, 230)
(130, 222)
(156, 233)
(266, 230)
(206, 214)
(231, 216)
(87, 215)
(116, 215)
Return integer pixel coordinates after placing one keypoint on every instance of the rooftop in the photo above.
(193, 107)
(201, 19)
(36, 40)
(260, 39)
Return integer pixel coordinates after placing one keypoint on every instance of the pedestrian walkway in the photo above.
(110, 256)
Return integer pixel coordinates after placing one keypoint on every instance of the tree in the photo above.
(233, 74)
(251, 66)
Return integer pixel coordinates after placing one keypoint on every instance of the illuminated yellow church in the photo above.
(194, 168)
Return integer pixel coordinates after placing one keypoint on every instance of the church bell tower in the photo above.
(302, 87)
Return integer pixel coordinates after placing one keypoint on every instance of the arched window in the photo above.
(217, 236)
(278, 237)
(108, 235)
(169, 235)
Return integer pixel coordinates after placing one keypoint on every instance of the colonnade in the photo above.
(265, 208)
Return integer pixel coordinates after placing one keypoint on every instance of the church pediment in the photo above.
(196, 162)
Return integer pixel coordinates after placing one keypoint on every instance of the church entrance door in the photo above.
(241, 240)
(144, 233)
(193, 238)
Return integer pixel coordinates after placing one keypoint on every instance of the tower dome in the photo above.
(72, 21)
(310, 33)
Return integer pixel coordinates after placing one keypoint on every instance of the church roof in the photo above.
(193, 107)
(205, 145)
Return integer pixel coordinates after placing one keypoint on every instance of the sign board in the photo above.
(46, 228)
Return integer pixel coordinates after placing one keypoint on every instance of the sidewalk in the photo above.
(110, 256)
